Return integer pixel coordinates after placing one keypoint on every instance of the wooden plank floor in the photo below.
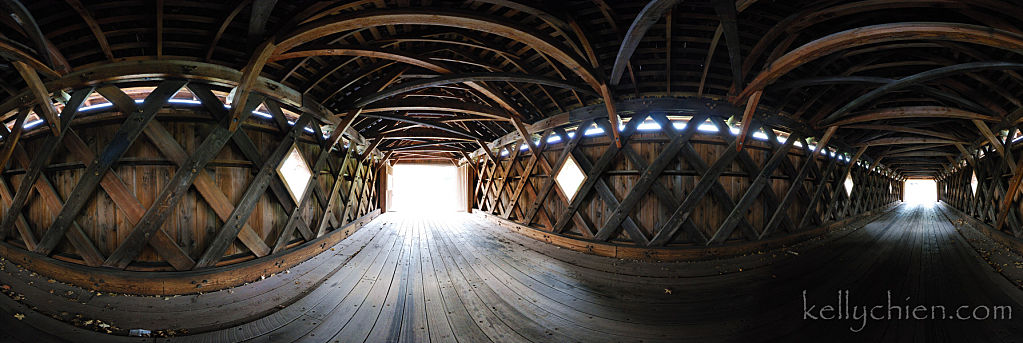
(459, 278)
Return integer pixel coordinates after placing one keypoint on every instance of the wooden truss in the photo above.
(659, 189)
(342, 187)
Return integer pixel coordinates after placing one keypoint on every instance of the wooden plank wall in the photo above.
(493, 192)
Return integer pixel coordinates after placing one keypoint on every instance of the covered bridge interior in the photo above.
(603, 170)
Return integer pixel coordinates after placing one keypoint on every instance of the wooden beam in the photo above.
(438, 17)
(757, 185)
(11, 138)
(229, 231)
(667, 50)
(40, 160)
(919, 78)
(906, 140)
(710, 58)
(668, 154)
(24, 18)
(250, 74)
(985, 131)
(527, 173)
(747, 118)
(238, 6)
(335, 194)
(728, 15)
(51, 199)
(16, 53)
(708, 180)
(914, 112)
(612, 114)
(795, 185)
(448, 79)
(133, 210)
(647, 17)
(1010, 195)
(433, 105)
(35, 85)
(902, 129)
(257, 19)
(882, 33)
(90, 21)
(550, 182)
(121, 141)
(178, 185)
(295, 214)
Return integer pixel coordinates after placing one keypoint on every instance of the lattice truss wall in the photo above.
(985, 184)
(163, 181)
(674, 186)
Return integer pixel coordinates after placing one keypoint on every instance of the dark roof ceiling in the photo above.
(83, 33)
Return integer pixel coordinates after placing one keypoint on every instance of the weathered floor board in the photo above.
(459, 278)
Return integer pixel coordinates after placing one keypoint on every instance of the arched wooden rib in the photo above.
(730, 24)
(917, 79)
(250, 73)
(38, 89)
(14, 53)
(831, 80)
(902, 129)
(914, 112)
(257, 20)
(430, 39)
(101, 38)
(399, 57)
(647, 17)
(438, 106)
(473, 77)
(879, 34)
(423, 123)
(393, 55)
(906, 140)
(326, 26)
(238, 6)
(800, 20)
(28, 23)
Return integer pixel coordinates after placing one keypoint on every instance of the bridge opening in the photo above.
(921, 191)
(424, 188)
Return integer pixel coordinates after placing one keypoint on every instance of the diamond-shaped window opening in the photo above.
(295, 172)
(849, 185)
(570, 177)
(974, 182)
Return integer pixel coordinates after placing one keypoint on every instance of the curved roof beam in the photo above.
(466, 20)
(12, 52)
(902, 129)
(398, 57)
(646, 18)
(239, 5)
(880, 34)
(473, 77)
(422, 123)
(46, 50)
(437, 106)
(917, 79)
(101, 38)
(543, 44)
(365, 52)
(812, 16)
(915, 112)
(848, 80)
(391, 41)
